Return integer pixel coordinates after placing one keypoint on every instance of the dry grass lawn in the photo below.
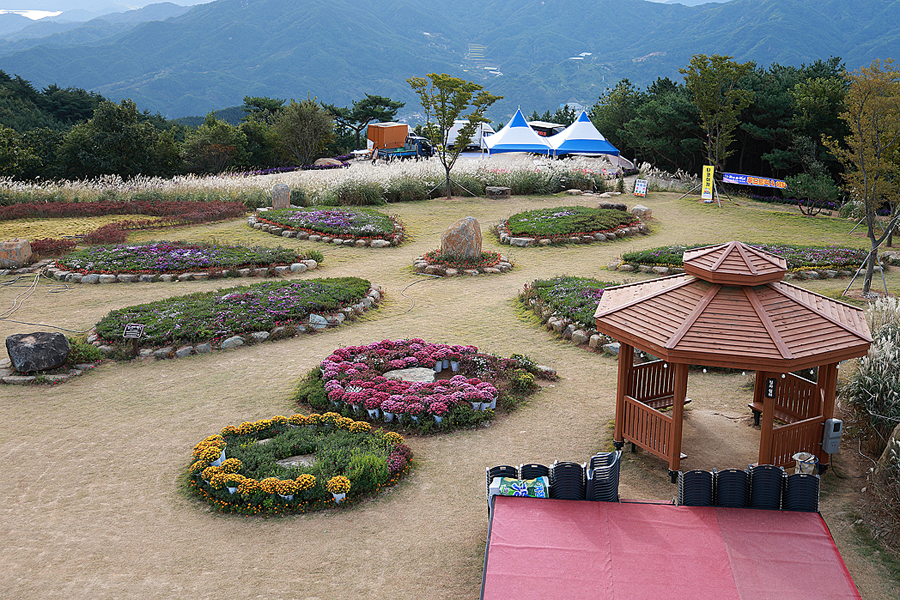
(93, 506)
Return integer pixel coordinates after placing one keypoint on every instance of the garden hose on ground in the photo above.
(19, 300)
(413, 305)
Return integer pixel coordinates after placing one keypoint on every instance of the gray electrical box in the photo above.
(832, 439)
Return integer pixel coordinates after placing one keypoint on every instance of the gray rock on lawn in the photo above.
(281, 196)
(462, 239)
(612, 206)
(38, 351)
(639, 210)
(317, 321)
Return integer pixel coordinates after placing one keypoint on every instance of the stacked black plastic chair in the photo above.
(801, 492)
(695, 488)
(533, 471)
(766, 484)
(603, 477)
(567, 481)
(732, 488)
(500, 471)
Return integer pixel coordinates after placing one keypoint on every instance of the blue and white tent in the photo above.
(581, 137)
(517, 136)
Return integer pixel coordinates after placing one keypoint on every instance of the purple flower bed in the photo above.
(344, 158)
(172, 257)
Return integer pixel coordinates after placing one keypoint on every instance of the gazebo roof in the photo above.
(731, 310)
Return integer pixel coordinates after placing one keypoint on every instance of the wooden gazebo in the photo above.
(730, 309)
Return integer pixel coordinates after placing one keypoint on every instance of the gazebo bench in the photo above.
(780, 415)
(662, 403)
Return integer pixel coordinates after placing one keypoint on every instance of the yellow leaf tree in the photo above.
(869, 153)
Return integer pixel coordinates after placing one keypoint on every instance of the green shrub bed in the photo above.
(214, 316)
(238, 470)
(356, 223)
(158, 258)
(560, 223)
(798, 257)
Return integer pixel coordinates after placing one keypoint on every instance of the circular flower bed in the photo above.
(352, 380)
(565, 224)
(436, 263)
(347, 224)
(295, 464)
(177, 257)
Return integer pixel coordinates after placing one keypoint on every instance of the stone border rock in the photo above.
(76, 277)
(6, 374)
(423, 266)
(258, 222)
(568, 329)
(312, 324)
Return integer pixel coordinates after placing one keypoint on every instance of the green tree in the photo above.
(444, 98)
(371, 109)
(872, 114)
(117, 140)
(304, 129)
(15, 154)
(614, 109)
(664, 130)
(214, 147)
(714, 86)
(261, 109)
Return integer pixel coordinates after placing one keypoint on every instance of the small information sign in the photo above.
(133, 331)
(771, 385)
(640, 187)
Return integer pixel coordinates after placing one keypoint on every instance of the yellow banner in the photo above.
(706, 192)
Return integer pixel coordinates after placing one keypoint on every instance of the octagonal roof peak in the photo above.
(734, 263)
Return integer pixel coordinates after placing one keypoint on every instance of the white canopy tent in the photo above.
(517, 136)
(581, 137)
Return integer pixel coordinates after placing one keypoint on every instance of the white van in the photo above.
(482, 131)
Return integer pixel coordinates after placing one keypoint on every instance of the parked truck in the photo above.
(384, 136)
(390, 141)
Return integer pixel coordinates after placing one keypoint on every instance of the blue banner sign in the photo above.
(753, 180)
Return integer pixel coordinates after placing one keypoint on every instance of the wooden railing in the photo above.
(802, 436)
(797, 397)
(650, 381)
(646, 427)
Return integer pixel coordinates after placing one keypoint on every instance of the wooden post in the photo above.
(827, 388)
(767, 425)
(680, 392)
(626, 361)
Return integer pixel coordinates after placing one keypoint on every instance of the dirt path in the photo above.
(91, 505)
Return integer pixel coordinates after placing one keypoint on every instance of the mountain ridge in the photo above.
(339, 50)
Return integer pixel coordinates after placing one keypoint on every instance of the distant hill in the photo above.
(60, 32)
(536, 53)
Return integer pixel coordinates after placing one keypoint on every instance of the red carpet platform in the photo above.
(568, 550)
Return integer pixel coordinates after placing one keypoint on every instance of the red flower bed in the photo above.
(182, 212)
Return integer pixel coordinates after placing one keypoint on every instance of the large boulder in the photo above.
(281, 196)
(38, 351)
(462, 239)
(612, 206)
(15, 253)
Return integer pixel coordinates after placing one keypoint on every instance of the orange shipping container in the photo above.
(388, 135)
